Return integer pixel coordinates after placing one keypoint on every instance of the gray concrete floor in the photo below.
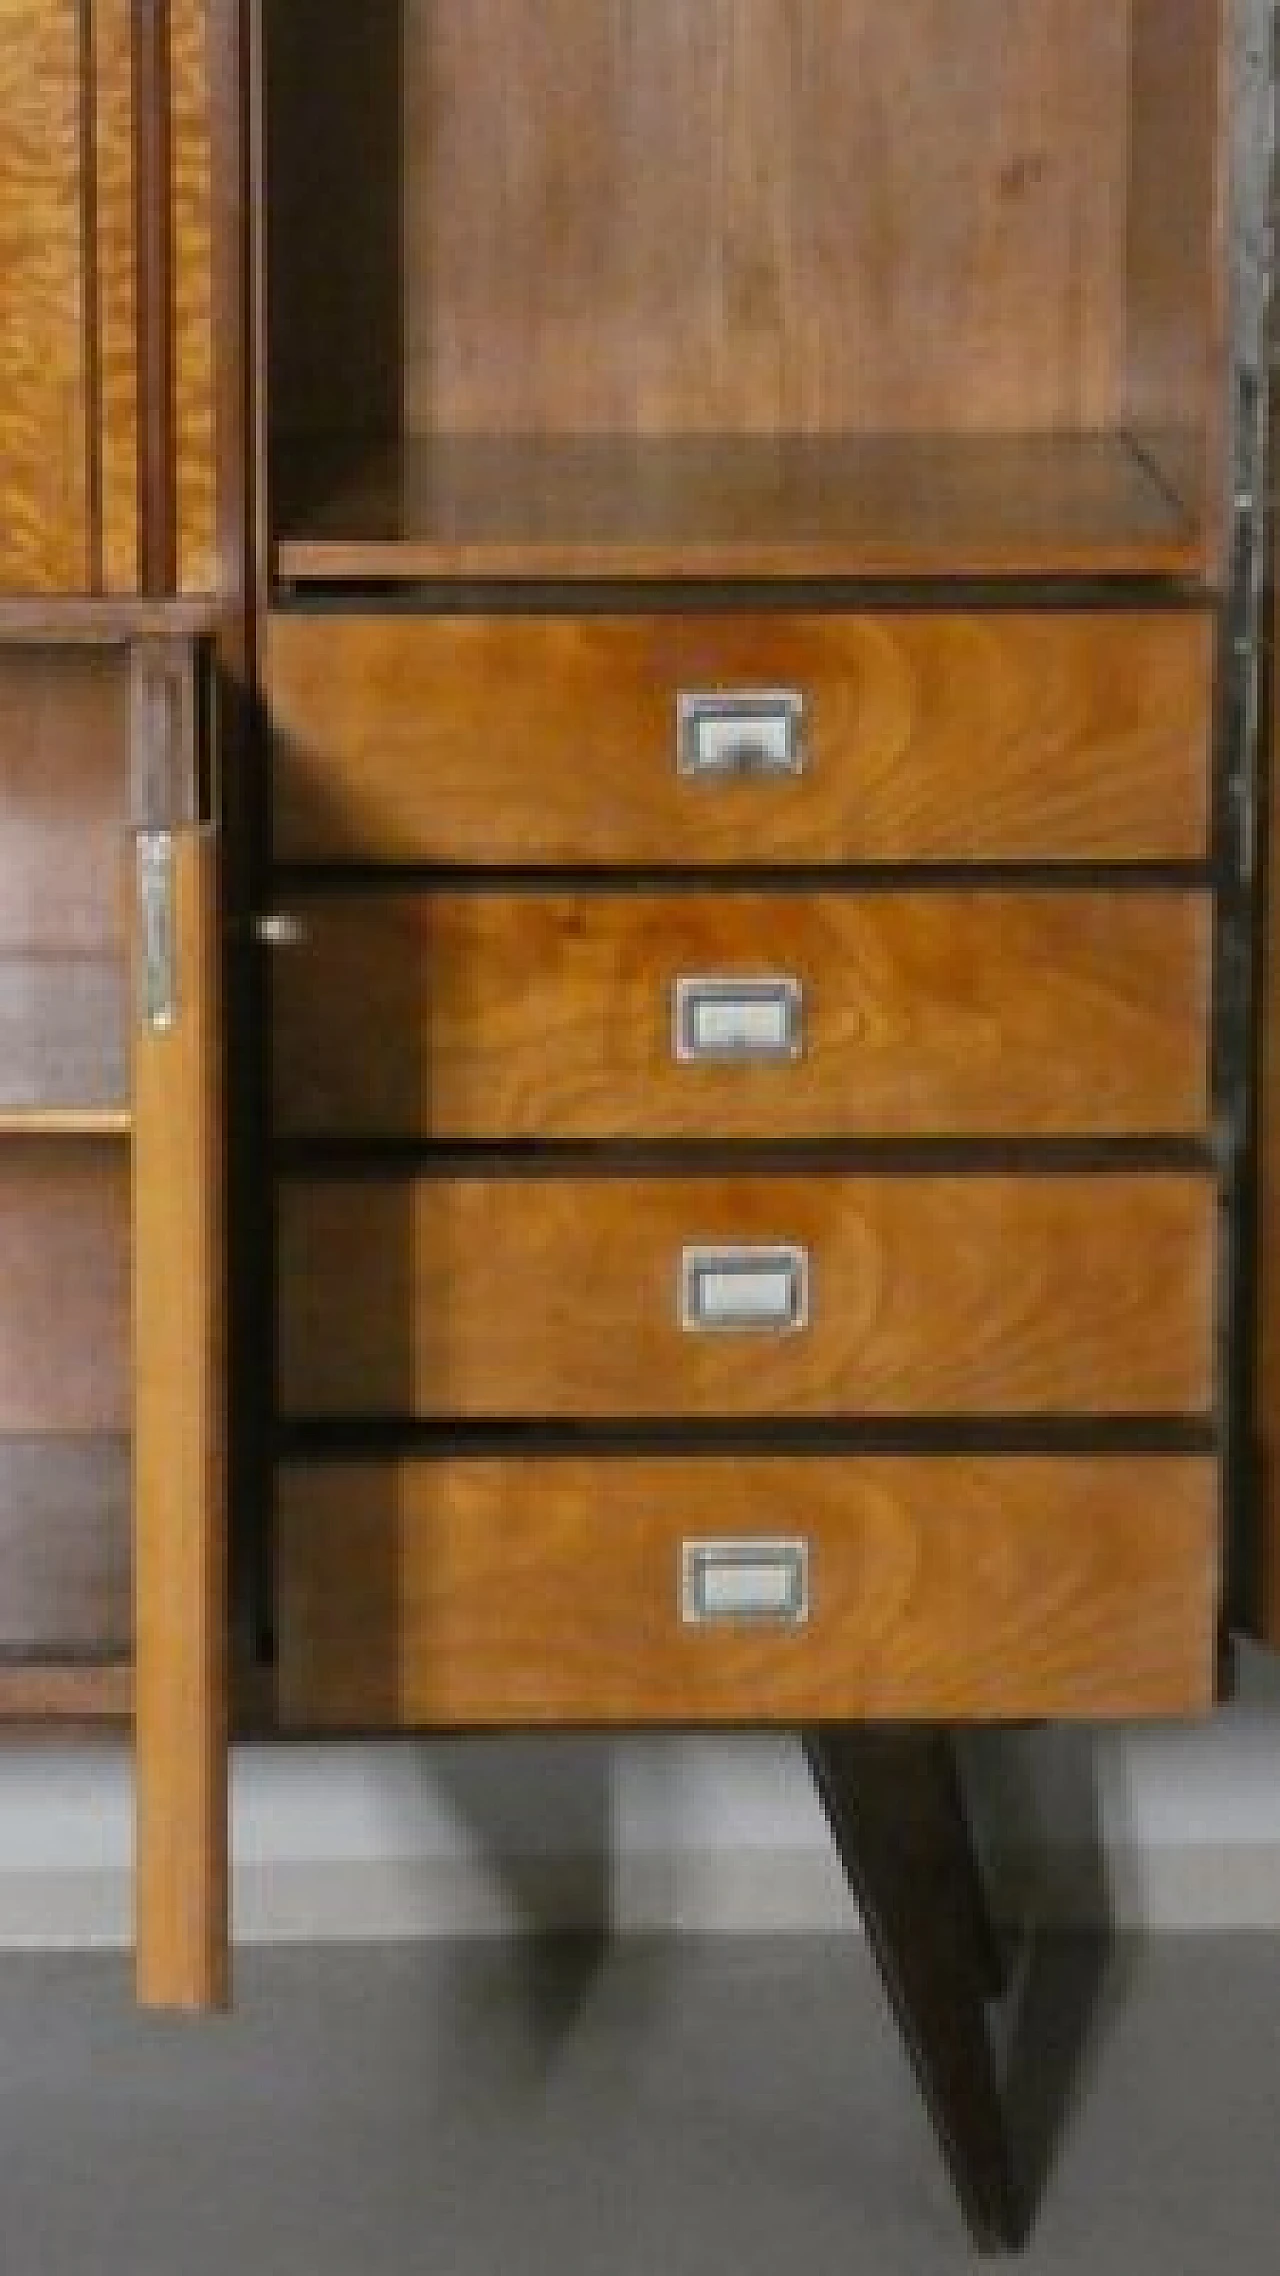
(646, 2111)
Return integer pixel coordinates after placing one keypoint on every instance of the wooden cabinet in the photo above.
(751, 678)
(742, 547)
(740, 1139)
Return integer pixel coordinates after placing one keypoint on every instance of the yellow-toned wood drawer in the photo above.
(458, 1016)
(738, 1295)
(740, 737)
(699, 1589)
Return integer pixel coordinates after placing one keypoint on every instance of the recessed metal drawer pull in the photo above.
(761, 733)
(716, 1021)
(727, 1581)
(728, 1288)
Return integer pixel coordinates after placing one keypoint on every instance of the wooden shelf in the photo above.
(67, 1693)
(848, 506)
(65, 1121)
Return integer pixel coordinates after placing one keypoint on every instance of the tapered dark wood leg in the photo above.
(894, 1806)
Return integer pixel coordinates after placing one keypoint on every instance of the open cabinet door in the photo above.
(179, 1372)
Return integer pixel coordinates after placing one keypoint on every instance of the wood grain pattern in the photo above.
(65, 1548)
(720, 223)
(487, 1592)
(727, 215)
(550, 1015)
(930, 1294)
(45, 501)
(116, 280)
(180, 1452)
(191, 150)
(64, 1271)
(880, 506)
(944, 736)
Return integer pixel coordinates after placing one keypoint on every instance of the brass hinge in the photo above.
(166, 796)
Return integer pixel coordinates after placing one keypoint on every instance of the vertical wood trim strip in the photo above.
(91, 295)
(117, 295)
(179, 1468)
(191, 190)
(157, 535)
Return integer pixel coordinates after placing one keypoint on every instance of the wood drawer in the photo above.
(454, 1016)
(928, 737)
(498, 1592)
(545, 1296)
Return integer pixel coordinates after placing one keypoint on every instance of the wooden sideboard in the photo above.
(628, 915)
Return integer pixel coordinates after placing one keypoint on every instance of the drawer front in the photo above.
(878, 1295)
(705, 1590)
(595, 1016)
(818, 739)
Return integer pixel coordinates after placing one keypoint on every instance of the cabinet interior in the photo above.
(673, 287)
(63, 810)
(64, 1398)
(65, 1499)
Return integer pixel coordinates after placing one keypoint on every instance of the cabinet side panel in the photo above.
(1176, 353)
(45, 513)
(117, 292)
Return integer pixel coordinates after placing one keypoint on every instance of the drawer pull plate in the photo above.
(737, 1021)
(726, 1581)
(739, 1287)
(752, 735)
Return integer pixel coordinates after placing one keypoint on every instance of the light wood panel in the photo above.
(884, 506)
(46, 512)
(932, 737)
(512, 1592)
(180, 1454)
(196, 470)
(116, 279)
(551, 1015)
(65, 1563)
(64, 1271)
(931, 1294)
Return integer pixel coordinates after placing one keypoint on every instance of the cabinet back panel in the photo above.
(65, 1524)
(64, 1273)
(732, 216)
(63, 803)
